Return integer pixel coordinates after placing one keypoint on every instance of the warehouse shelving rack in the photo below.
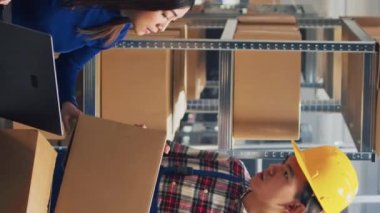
(226, 47)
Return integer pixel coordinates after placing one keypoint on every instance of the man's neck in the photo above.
(253, 204)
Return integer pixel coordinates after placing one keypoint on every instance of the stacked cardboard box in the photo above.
(353, 76)
(145, 86)
(26, 171)
(107, 170)
(266, 83)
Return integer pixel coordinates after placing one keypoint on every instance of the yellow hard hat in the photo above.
(330, 174)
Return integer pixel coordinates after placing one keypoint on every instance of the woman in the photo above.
(82, 28)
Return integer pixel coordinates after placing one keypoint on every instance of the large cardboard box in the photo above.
(266, 88)
(352, 88)
(26, 171)
(352, 82)
(144, 86)
(111, 167)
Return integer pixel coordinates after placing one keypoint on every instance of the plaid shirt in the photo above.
(199, 193)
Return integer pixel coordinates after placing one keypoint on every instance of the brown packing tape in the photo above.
(267, 89)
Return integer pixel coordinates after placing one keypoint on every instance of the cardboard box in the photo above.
(111, 167)
(352, 82)
(266, 89)
(145, 86)
(267, 19)
(264, 2)
(274, 29)
(26, 171)
(371, 25)
(49, 136)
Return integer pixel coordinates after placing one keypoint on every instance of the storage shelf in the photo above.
(226, 46)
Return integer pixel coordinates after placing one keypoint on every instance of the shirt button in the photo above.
(205, 191)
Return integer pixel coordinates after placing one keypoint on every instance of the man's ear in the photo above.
(295, 207)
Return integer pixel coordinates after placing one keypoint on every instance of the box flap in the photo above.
(47, 135)
(111, 167)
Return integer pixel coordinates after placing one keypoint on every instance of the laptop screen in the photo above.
(28, 82)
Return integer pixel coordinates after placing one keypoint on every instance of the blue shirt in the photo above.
(63, 23)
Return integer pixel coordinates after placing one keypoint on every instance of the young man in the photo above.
(201, 181)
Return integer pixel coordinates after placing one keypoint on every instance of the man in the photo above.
(202, 181)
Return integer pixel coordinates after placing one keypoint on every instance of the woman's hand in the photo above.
(4, 2)
(70, 114)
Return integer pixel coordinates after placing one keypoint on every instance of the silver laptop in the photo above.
(28, 82)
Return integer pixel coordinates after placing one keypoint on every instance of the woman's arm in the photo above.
(68, 66)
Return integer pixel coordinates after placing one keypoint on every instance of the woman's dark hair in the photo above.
(309, 200)
(133, 4)
(110, 31)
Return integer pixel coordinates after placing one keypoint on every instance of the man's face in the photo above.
(147, 22)
(279, 183)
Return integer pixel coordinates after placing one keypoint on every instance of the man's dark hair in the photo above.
(309, 200)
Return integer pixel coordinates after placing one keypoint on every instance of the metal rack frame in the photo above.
(226, 46)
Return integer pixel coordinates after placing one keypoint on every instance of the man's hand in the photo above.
(70, 113)
(167, 148)
(4, 2)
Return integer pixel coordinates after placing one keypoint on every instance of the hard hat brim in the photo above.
(301, 163)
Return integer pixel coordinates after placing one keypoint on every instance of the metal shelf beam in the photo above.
(249, 154)
(249, 45)
(212, 106)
